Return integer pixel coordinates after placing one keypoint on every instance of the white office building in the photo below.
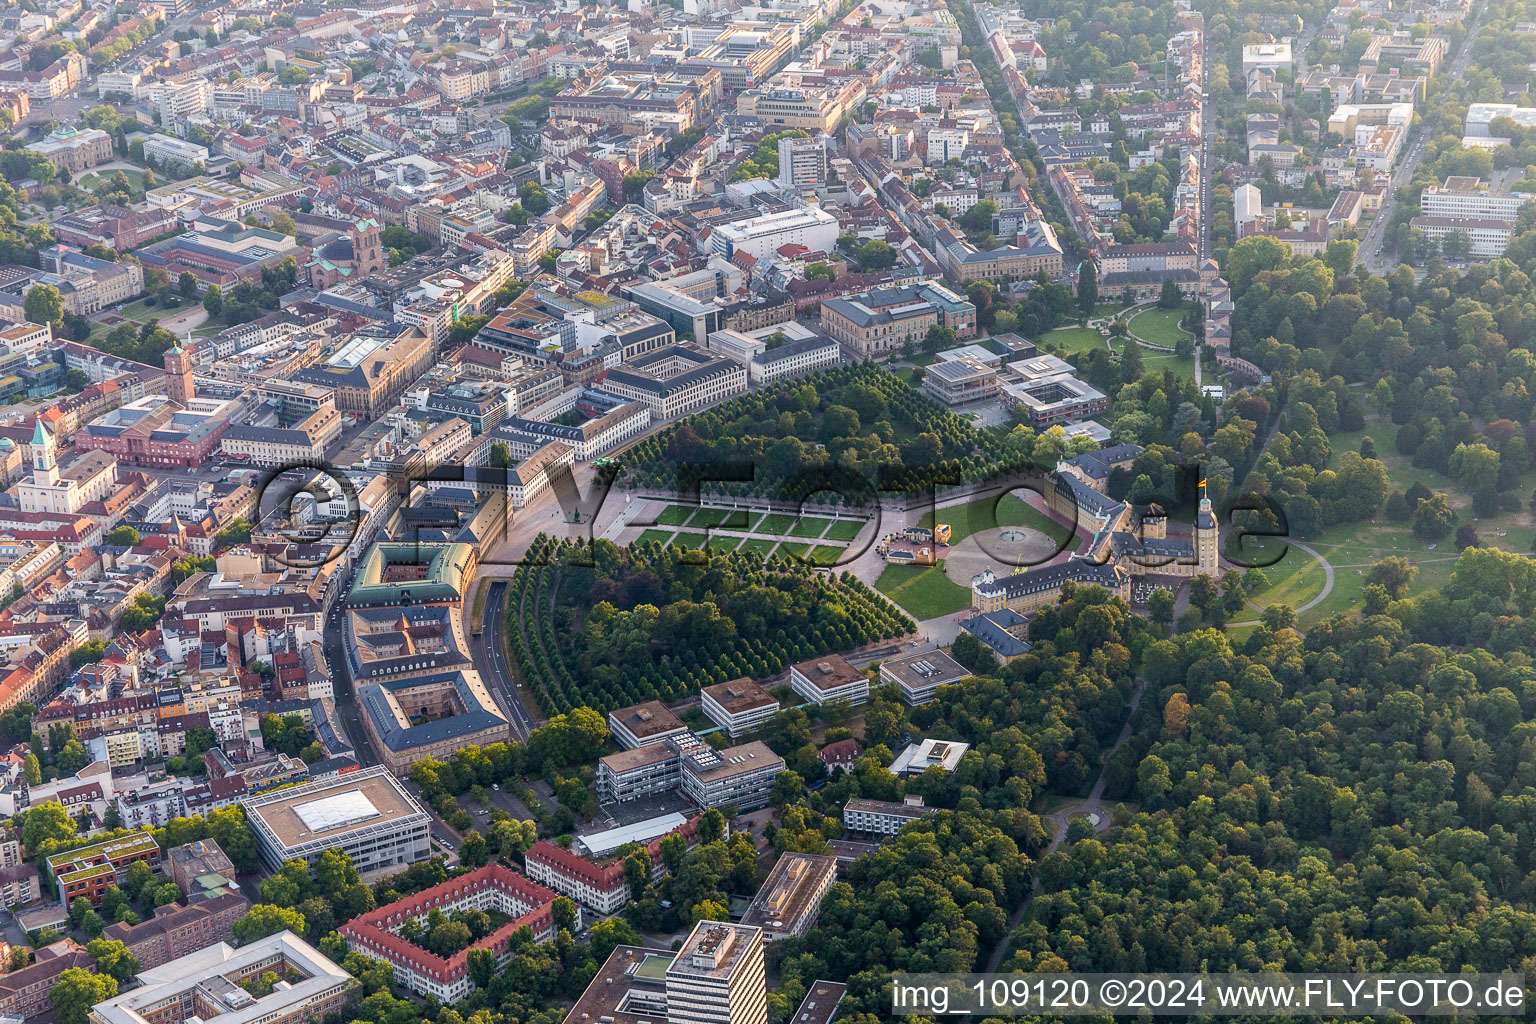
(883, 817)
(165, 150)
(1465, 197)
(829, 678)
(814, 228)
(367, 815)
(738, 706)
(1486, 239)
(795, 359)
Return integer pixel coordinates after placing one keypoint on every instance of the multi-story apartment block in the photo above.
(600, 885)
(523, 902)
(24, 993)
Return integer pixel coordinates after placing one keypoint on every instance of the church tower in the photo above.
(1205, 536)
(45, 468)
(178, 375)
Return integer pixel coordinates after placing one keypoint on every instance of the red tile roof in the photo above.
(372, 931)
(607, 876)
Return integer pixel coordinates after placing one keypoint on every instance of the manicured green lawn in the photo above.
(775, 524)
(985, 513)
(758, 544)
(674, 515)
(94, 181)
(793, 549)
(661, 536)
(1073, 339)
(809, 526)
(826, 554)
(689, 539)
(1159, 326)
(728, 518)
(923, 592)
(1154, 361)
(1294, 580)
(723, 542)
(845, 529)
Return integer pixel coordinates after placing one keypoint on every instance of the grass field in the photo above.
(1294, 580)
(1159, 326)
(661, 536)
(845, 529)
(761, 546)
(923, 592)
(674, 515)
(809, 526)
(985, 513)
(726, 518)
(826, 554)
(722, 542)
(688, 539)
(775, 524)
(1352, 548)
(1073, 339)
(1154, 361)
(93, 181)
(795, 549)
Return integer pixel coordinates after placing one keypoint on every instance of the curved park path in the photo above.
(1327, 582)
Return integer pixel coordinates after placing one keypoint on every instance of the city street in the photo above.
(489, 651)
(1374, 253)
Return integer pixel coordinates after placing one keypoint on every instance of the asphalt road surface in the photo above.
(490, 657)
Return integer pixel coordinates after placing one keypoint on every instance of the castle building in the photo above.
(1129, 544)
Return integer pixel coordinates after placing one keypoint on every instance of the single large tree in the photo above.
(43, 304)
(1087, 287)
(76, 991)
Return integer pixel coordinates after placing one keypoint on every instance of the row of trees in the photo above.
(690, 621)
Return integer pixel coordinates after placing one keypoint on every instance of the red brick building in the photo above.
(175, 930)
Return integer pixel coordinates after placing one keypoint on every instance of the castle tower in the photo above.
(178, 374)
(1206, 552)
(45, 468)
